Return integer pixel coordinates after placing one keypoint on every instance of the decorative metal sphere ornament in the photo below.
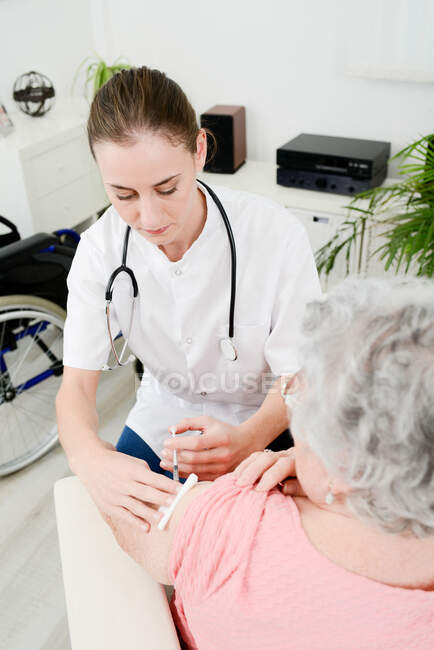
(34, 93)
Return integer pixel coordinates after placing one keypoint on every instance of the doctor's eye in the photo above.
(171, 191)
(124, 198)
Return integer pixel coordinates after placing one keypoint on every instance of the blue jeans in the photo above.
(133, 445)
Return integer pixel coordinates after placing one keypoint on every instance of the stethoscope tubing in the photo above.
(233, 255)
(123, 268)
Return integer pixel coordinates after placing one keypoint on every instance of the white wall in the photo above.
(285, 60)
(49, 36)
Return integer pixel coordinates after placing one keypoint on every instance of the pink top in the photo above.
(246, 576)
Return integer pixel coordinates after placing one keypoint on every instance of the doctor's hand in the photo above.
(219, 449)
(270, 468)
(123, 487)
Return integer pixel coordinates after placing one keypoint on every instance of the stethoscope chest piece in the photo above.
(228, 350)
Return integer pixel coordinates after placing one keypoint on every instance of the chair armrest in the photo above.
(111, 601)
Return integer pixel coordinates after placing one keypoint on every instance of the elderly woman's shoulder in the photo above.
(209, 500)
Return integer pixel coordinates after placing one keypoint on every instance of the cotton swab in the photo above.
(167, 511)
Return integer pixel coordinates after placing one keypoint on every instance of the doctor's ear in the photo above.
(201, 150)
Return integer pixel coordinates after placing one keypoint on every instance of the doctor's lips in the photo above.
(157, 231)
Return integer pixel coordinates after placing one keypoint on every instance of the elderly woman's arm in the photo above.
(152, 550)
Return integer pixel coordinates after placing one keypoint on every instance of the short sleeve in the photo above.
(298, 284)
(86, 343)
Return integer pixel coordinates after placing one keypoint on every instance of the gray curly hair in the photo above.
(369, 409)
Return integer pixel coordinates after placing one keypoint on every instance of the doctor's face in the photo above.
(151, 183)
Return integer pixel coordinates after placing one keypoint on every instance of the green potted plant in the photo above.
(403, 213)
(98, 72)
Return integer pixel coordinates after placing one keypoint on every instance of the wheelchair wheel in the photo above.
(31, 349)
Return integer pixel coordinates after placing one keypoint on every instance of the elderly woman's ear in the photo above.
(339, 489)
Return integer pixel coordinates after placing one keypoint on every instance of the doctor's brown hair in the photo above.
(142, 99)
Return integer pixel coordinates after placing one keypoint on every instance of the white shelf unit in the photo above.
(48, 179)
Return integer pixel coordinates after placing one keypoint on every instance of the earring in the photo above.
(289, 391)
(329, 496)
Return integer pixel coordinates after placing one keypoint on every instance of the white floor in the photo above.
(32, 603)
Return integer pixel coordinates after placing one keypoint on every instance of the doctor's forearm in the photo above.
(269, 420)
(77, 424)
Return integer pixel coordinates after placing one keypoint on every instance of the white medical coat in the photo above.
(182, 311)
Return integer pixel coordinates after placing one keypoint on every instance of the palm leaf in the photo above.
(406, 208)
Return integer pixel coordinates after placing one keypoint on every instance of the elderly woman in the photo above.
(351, 563)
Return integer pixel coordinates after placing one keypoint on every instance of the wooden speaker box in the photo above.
(228, 124)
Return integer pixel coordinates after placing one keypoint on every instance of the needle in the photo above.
(175, 458)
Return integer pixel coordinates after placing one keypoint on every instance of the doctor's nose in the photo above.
(147, 215)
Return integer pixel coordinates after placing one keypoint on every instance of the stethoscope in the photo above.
(227, 346)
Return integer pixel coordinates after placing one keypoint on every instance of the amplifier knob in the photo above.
(321, 183)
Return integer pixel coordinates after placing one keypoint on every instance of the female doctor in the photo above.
(214, 336)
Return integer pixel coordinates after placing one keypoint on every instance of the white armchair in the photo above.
(111, 601)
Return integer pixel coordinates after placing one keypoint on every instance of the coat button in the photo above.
(178, 272)
(189, 341)
(203, 393)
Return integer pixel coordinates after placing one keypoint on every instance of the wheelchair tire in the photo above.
(31, 351)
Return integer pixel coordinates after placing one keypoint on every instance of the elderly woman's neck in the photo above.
(340, 508)
(396, 559)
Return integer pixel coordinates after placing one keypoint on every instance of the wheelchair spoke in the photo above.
(31, 334)
(29, 415)
(49, 400)
(46, 349)
(2, 337)
(19, 426)
(17, 369)
(41, 358)
(7, 433)
(29, 426)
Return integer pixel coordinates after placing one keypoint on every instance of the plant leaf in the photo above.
(406, 208)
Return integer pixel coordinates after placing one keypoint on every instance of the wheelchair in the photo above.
(33, 295)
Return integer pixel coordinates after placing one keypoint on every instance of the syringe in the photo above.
(175, 458)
